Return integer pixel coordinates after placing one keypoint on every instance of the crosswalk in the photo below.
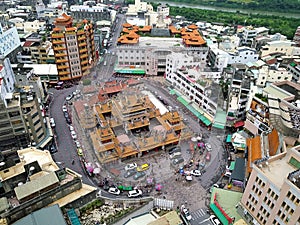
(198, 214)
(200, 217)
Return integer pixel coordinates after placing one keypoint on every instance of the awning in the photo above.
(228, 139)
(239, 124)
(219, 214)
(199, 115)
(182, 100)
(219, 126)
(172, 92)
(45, 142)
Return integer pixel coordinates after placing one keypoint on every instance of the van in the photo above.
(175, 155)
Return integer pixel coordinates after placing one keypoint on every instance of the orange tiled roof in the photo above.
(174, 30)
(193, 26)
(71, 29)
(131, 38)
(145, 29)
(273, 142)
(254, 151)
(56, 29)
(127, 25)
(192, 38)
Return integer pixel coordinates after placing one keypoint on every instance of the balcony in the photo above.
(64, 72)
(82, 44)
(59, 35)
(58, 42)
(83, 50)
(61, 54)
(81, 38)
(60, 67)
(59, 48)
(83, 56)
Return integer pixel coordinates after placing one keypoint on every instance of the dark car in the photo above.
(139, 175)
(177, 161)
(69, 121)
(129, 173)
(52, 149)
(174, 149)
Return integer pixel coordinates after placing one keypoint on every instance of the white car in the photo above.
(187, 214)
(189, 178)
(214, 220)
(71, 128)
(77, 143)
(130, 166)
(175, 155)
(227, 174)
(196, 173)
(52, 122)
(73, 134)
(64, 108)
(69, 97)
(114, 191)
(208, 147)
(135, 193)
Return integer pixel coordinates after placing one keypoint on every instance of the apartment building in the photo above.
(249, 33)
(92, 12)
(21, 122)
(267, 75)
(221, 58)
(34, 181)
(294, 69)
(239, 95)
(272, 194)
(9, 43)
(296, 38)
(36, 51)
(280, 48)
(74, 47)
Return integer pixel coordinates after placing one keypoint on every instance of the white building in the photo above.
(270, 75)
(280, 47)
(33, 26)
(242, 55)
(9, 41)
(249, 33)
(150, 53)
(7, 79)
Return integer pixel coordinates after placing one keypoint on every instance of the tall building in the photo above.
(272, 195)
(74, 47)
(296, 38)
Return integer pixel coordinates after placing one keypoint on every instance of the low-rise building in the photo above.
(33, 181)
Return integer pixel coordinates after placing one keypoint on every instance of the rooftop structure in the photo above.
(35, 181)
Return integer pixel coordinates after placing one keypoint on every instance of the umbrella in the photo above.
(193, 139)
(90, 169)
(149, 180)
(96, 170)
(199, 138)
(201, 144)
(158, 187)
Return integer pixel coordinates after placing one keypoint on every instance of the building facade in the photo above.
(9, 43)
(272, 194)
(74, 48)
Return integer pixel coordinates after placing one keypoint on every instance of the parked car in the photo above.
(177, 161)
(68, 120)
(79, 151)
(77, 143)
(71, 128)
(208, 147)
(66, 114)
(129, 173)
(131, 166)
(114, 190)
(52, 122)
(186, 214)
(189, 178)
(174, 149)
(196, 173)
(214, 220)
(69, 97)
(143, 167)
(73, 134)
(175, 155)
(52, 149)
(64, 108)
(227, 174)
(138, 175)
(135, 193)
